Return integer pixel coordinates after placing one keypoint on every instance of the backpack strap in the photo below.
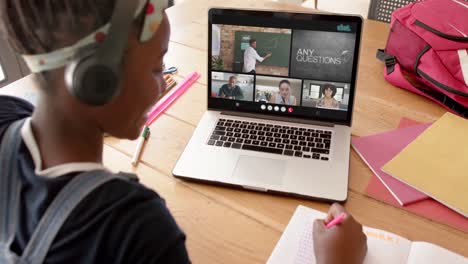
(57, 213)
(388, 59)
(10, 187)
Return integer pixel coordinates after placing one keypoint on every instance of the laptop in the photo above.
(280, 104)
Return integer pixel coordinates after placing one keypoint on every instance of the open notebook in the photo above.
(296, 245)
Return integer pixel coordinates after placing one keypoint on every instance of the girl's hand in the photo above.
(342, 243)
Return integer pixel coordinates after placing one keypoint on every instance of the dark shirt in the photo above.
(120, 222)
(235, 93)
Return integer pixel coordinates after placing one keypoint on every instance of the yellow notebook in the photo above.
(436, 163)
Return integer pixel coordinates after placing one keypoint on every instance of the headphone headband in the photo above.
(61, 57)
(93, 71)
(110, 53)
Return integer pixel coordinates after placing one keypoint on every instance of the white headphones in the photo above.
(94, 64)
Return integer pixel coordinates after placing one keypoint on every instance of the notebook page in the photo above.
(385, 248)
(422, 252)
(296, 245)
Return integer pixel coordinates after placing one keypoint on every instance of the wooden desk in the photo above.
(243, 227)
(232, 226)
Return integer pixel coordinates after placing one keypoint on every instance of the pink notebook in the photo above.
(406, 122)
(377, 150)
(428, 208)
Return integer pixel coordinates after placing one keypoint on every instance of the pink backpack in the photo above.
(427, 52)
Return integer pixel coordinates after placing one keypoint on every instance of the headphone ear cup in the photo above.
(89, 81)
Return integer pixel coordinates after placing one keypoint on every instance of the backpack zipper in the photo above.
(441, 85)
(429, 78)
(441, 34)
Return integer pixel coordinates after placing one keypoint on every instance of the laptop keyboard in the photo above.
(282, 140)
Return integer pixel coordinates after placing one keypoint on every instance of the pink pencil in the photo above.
(338, 220)
(171, 97)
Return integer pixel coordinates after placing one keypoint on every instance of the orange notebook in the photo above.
(436, 163)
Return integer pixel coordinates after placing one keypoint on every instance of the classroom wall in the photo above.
(228, 48)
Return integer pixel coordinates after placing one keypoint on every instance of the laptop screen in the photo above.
(285, 64)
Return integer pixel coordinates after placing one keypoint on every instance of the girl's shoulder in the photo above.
(11, 110)
(320, 102)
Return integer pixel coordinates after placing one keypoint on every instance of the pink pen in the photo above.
(171, 97)
(338, 220)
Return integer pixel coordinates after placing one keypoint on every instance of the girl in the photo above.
(284, 96)
(120, 222)
(328, 100)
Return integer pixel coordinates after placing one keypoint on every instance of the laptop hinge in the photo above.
(280, 118)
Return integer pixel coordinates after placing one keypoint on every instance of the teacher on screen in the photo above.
(251, 57)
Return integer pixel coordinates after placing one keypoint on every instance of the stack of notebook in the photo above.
(422, 168)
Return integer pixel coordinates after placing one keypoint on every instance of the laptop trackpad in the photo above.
(260, 172)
